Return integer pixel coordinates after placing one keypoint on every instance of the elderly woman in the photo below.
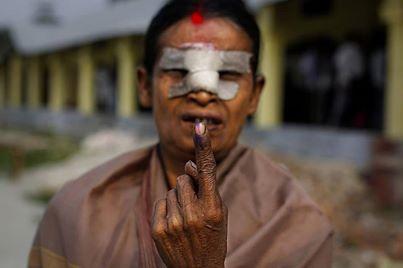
(215, 202)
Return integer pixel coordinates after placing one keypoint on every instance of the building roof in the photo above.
(121, 19)
(257, 4)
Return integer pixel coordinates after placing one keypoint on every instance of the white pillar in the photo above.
(35, 83)
(86, 91)
(125, 52)
(269, 112)
(392, 13)
(15, 82)
(57, 83)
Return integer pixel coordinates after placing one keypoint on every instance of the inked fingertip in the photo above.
(200, 128)
(197, 140)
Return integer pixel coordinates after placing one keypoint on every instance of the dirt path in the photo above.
(18, 220)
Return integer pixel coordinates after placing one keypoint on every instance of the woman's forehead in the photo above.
(221, 33)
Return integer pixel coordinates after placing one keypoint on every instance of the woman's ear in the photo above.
(144, 88)
(257, 91)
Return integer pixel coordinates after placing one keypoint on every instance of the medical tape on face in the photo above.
(204, 64)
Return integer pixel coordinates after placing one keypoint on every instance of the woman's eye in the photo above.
(180, 73)
(229, 75)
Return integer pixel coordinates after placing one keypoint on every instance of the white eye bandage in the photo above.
(203, 65)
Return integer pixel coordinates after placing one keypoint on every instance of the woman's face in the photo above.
(175, 117)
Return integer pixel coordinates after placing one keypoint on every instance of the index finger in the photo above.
(205, 161)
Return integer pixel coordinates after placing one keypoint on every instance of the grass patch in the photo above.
(42, 198)
(5, 160)
(57, 149)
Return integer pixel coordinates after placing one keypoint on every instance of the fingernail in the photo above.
(192, 164)
(200, 128)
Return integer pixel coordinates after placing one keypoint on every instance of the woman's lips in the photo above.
(213, 120)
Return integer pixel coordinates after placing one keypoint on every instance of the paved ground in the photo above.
(18, 220)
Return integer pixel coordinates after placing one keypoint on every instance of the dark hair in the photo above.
(176, 10)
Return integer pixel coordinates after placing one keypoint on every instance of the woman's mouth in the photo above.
(214, 122)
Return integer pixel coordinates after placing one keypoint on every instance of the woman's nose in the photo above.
(202, 97)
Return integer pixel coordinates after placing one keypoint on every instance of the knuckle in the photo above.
(208, 175)
(179, 179)
(193, 223)
(214, 215)
(158, 231)
(174, 225)
(179, 182)
(174, 221)
(208, 166)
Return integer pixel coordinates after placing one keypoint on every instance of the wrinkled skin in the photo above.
(175, 135)
(190, 225)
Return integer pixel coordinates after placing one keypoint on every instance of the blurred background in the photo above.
(332, 110)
